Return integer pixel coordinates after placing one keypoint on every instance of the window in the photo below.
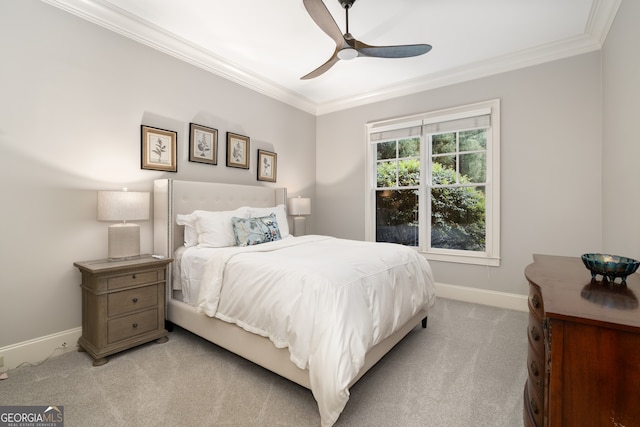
(434, 183)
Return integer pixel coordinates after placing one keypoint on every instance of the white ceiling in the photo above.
(268, 45)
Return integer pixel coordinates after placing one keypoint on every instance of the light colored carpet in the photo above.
(467, 368)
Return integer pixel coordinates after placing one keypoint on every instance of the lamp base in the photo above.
(299, 227)
(124, 241)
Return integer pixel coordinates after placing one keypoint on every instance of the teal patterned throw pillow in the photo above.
(253, 231)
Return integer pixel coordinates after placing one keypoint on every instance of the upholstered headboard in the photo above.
(172, 197)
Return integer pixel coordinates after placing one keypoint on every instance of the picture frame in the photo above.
(158, 149)
(237, 150)
(203, 144)
(267, 166)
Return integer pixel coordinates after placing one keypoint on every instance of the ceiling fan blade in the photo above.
(321, 16)
(400, 51)
(323, 68)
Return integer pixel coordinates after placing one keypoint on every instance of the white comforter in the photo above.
(328, 300)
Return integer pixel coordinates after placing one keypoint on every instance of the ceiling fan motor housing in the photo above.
(347, 3)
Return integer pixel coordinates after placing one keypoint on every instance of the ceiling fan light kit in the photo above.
(347, 54)
(347, 47)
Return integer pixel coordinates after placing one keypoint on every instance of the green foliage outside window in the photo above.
(407, 172)
(457, 213)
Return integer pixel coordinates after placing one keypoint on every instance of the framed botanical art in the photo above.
(158, 147)
(203, 144)
(267, 166)
(237, 151)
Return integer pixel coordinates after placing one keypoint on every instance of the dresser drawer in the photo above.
(134, 279)
(536, 334)
(537, 369)
(134, 324)
(535, 301)
(533, 413)
(132, 300)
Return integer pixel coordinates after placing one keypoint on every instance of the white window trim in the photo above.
(491, 257)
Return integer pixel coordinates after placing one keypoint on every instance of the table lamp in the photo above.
(299, 206)
(124, 237)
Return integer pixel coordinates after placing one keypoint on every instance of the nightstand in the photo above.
(123, 305)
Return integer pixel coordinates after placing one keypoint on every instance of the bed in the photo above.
(301, 346)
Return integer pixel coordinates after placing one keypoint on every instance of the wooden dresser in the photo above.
(123, 305)
(584, 347)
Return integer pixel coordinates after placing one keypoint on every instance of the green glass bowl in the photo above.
(610, 266)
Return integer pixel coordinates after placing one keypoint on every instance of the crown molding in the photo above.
(106, 15)
(600, 19)
(493, 66)
(122, 22)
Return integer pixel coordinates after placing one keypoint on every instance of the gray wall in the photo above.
(551, 145)
(73, 96)
(621, 148)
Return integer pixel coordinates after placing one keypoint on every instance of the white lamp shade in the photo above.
(299, 206)
(123, 205)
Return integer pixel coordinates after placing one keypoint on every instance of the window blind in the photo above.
(393, 134)
(459, 124)
(452, 125)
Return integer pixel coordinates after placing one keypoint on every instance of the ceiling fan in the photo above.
(347, 47)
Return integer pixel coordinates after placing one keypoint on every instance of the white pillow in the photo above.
(215, 229)
(190, 231)
(281, 216)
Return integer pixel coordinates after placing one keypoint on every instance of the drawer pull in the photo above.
(534, 333)
(534, 368)
(135, 325)
(535, 301)
(133, 276)
(534, 406)
(135, 300)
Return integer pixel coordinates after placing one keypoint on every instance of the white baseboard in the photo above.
(37, 350)
(483, 296)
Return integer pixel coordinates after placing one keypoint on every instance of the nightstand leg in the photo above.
(162, 340)
(100, 362)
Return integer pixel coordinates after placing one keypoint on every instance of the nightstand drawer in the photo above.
(132, 325)
(132, 300)
(133, 279)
